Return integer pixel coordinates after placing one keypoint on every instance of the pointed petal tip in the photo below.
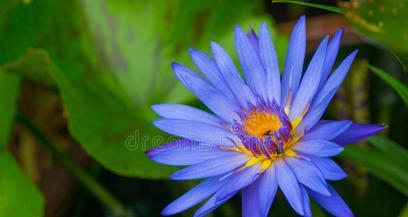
(150, 153)
(179, 70)
(323, 45)
(325, 41)
(252, 32)
(357, 132)
(339, 32)
(300, 26)
(238, 33)
(166, 211)
(155, 107)
(215, 46)
(192, 51)
(354, 53)
(157, 123)
(175, 177)
(176, 66)
(301, 22)
(380, 127)
(237, 28)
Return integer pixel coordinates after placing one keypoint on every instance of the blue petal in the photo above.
(268, 185)
(210, 69)
(315, 113)
(327, 130)
(250, 199)
(213, 167)
(328, 168)
(194, 196)
(289, 185)
(335, 80)
(357, 132)
(231, 76)
(197, 131)
(294, 60)
(307, 174)
(183, 112)
(326, 93)
(332, 51)
(253, 38)
(306, 203)
(334, 204)
(251, 65)
(239, 181)
(318, 147)
(310, 82)
(211, 97)
(185, 152)
(211, 205)
(271, 65)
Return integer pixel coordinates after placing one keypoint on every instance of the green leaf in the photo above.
(383, 163)
(137, 41)
(100, 115)
(18, 196)
(308, 4)
(390, 148)
(14, 185)
(9, 91)
(109, 129)
(383, 22)
(398, 86)
(404, 211)
(34, 64)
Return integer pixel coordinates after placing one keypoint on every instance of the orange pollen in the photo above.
(261, 124)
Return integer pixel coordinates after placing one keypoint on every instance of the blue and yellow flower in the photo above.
(265, 132)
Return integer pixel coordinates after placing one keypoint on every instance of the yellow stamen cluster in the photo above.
(261, 124)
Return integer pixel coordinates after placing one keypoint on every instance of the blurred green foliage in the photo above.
(385, 159)
(14, 185)
(383, 21)
(18, 195)
(398, 86)
(9, 90)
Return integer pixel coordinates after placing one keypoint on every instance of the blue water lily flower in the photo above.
(265, 132)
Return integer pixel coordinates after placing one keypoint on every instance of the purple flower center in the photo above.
(264, 129)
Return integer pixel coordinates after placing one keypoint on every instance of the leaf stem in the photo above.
(102, 194)
(308, 4)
